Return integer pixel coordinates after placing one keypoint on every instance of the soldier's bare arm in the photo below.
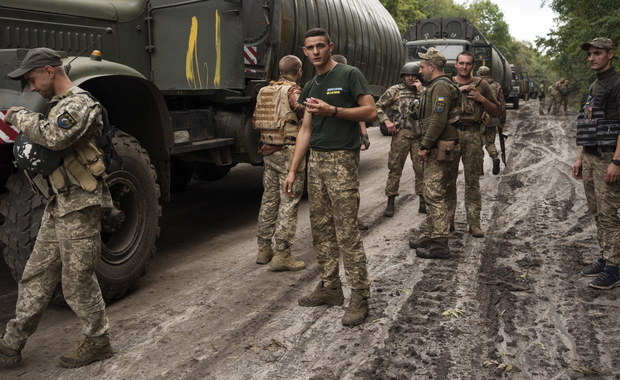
(301, 148)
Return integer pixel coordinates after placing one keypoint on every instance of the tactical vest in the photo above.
(81, 167)
(593, 129)
(456, 112)
(471, 110)
(273, 117)
(405, 111)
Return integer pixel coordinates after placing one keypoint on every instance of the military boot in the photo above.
(282, 260)
(389, 209)
(422, 207)
(495, 165)
(421, 242)
(7, 354)
(476, 231)
(265, 253)
(88, 352)
(437, 249)
(323, 296)
(357, 310)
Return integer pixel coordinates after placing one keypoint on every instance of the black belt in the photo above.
(598, 150)
(467, 127)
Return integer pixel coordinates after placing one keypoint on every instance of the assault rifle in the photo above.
(502, 142)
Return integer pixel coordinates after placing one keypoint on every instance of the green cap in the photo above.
(35, 58)
(434, 56)
(600, 43)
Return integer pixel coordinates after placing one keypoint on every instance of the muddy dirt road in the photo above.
(512, 300)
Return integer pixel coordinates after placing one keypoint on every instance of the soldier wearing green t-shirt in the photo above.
(336, 100)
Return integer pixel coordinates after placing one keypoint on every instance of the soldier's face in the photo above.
(426, 70)
(318, 50)
(410, 79)
(599, 59)
(464, 65)
(40, 81)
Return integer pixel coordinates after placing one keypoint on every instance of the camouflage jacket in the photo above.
(499, 95)
(400, 104)
(72, 116)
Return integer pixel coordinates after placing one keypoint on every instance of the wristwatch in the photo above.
(616, 162)
(422, 147)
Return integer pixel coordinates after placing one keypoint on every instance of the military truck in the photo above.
(523, 81)
(179, 80)
(454, 35)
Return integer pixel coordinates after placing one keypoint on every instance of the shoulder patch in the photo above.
(440, 104)
(66, 121)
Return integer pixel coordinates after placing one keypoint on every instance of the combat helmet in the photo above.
(410, 68)
(35, 158)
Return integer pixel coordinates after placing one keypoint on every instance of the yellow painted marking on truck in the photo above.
(191, 58)
(218, 51)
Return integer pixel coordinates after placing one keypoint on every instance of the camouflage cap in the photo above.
(35, 58)
(434, 56)
(484, 70)
(600, 43)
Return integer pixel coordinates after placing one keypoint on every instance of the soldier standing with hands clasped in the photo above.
(439, 154)
(277, 116)
(68, 245)
(598, 162)
(336, 99)
(399, 108)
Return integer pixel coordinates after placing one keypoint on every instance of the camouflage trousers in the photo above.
(564, 103)
(440, 193)
(603, 203)
(67, 250)
(488, 139)
(403, 145)
(556, 102)
(277, 218)
(333, 190)
(471, 155)
(541, 106)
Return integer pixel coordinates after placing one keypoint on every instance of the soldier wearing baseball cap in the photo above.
(34, 59)
(599, 43)
(434, 56)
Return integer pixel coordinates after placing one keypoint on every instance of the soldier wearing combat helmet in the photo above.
(68, 245)
(598, 162)
(399, 109)
(490, 124)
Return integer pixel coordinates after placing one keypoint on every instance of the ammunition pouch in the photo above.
(607, 132)
(82, 168)
(445, 150)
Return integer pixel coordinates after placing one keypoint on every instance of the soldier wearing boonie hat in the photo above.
(598, 162)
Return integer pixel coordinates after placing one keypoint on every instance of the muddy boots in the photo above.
(8, 355)
(476, 231)
(88, 352)
(422, 208)
(496, 163)
(389, 209)
(282, 260)
(265, 253)
(436, 249)
(421, 242)
(357, 310)
(323, 296)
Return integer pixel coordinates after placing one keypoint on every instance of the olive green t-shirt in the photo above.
(339, 87)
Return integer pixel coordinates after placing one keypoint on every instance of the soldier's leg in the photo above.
(396, 161)
(590, 192)
(40, 277)
(608, 204)
(79, 239)
(324, 240)
(343, 190)
(286, 223)
(439, 183)
(471, 151)
(489, 141)
(270, 202)
(418, 168)
(541, 106)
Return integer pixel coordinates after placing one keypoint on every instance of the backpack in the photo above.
(104, 142)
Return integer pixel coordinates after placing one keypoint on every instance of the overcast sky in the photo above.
(526, 19)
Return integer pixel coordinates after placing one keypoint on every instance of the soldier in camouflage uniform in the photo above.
(439, 154)
(336, 99)
(564, 92)
(490, 124)
(68, 245)
(398, 108)
(277, 116)
(552, 91)
(557, 96)
(542, 94)
(477, 99)
(598, 162)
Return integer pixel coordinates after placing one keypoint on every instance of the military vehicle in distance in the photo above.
(179, 80)
(454, 35)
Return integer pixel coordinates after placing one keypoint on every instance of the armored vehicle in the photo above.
(454, 35)
(179, 80)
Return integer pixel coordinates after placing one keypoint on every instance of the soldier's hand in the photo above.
(475, 95)
(391, 128)
(577, 169)
(422, 154)
(287, 185)
(365, 141)
(318, 107)
(613, 174)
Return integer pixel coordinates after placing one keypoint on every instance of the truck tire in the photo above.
(127, 249)
(21, 211)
